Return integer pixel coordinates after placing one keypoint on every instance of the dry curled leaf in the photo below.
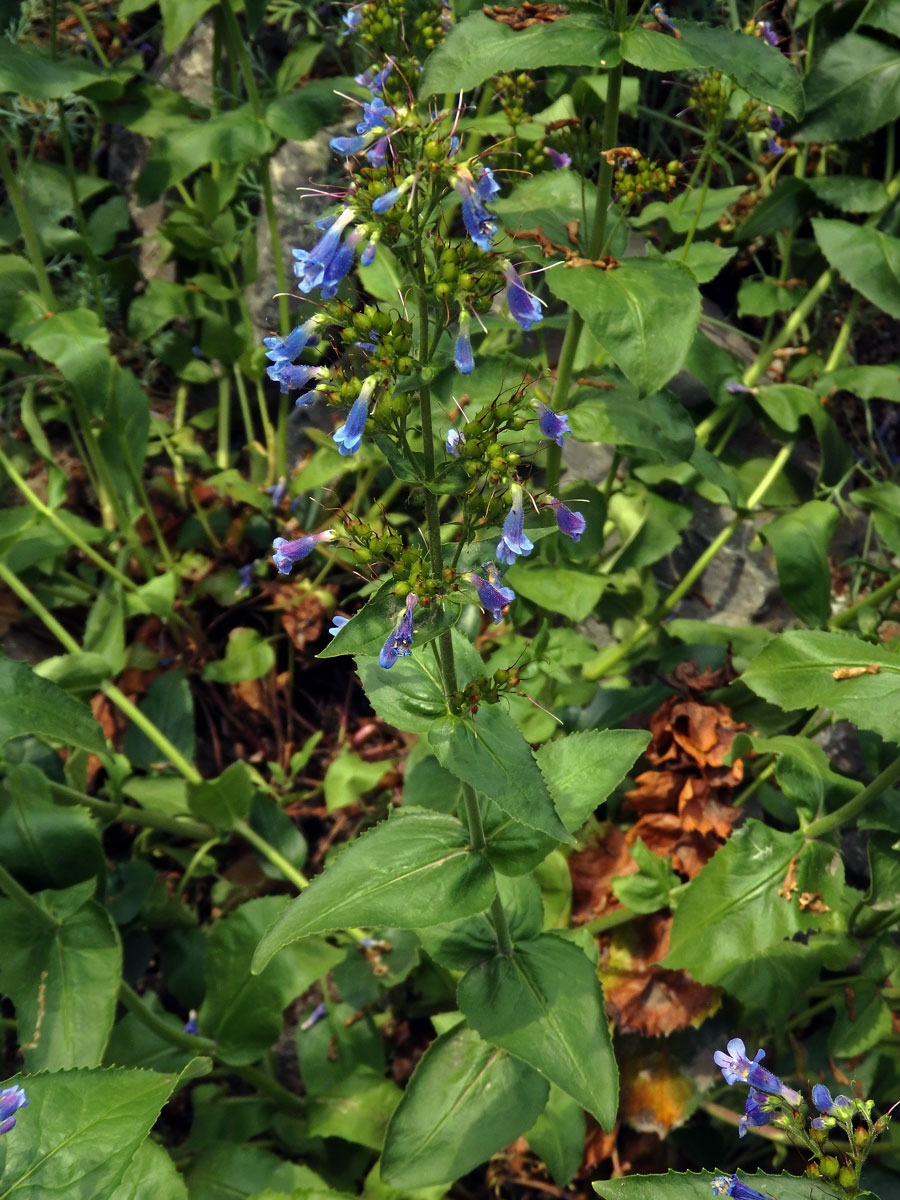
(855, 672)
(526, 15)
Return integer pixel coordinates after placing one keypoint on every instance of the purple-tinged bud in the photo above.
(382, 203)
(368, 255)
(755, 1112)
(558, 158)
(314, 1017)
(570, 523)
(353, 19)
(738, 389)
(463, 358)
(287, 553)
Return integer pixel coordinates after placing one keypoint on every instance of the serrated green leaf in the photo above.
(414, 870)
(796, 671)
(31, 705)
(696, 1186)
(151, 1176)
(582, 769)
(465, 1101)
(544, 1004)
(867, 258)
(80, 1131)
(489, 752)
(851, 90)
(644, 314)
(477, 48)
(742, 904)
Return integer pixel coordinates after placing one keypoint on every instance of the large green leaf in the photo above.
(478, 47)
(62, 973)
(80, 1131)
(489, 752)
(356, 1108)
(465, 1101)
(409, 695)
(572, 594)
(151, 1176)
(77, 343)
(233, 137)
(33, 706)
(746, 900)
(238, 1171)
(852, 90)
(413, 870)
(644, 314)
(657, 426)
(867, 258)
(800, 541)
(43, 845)
(557, 1136)
(760, 69)
(797, 671)
(243, 1012)
(32, 73)
(583, 768)
(544, 1003)
(696, 1186)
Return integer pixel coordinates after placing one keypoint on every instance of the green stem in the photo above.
(89, 33)
(611, 920)
(121, 701)
(158, 1025)
(847, 812)
(839, 620)
(148, 818)
(29, 234)
(595, 245)
(18, 895)
(56, 521)
(604, 662)
(288, 870)
(223, 425)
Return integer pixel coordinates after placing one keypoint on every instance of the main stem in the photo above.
(595, 245)
(847, 812)
(477, 840)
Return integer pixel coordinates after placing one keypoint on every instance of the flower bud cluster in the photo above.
(637, 178)
(486, 689)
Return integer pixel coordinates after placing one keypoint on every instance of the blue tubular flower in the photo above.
(572, 524)
(772, 146)
(376, 116)
(492, 595)
(558, 158)
(291, 376)
(480, 225)
(11, 1100)
(350, 145)
(310, 265)
(377, 153)
(552, 424)
(287, 553)
(368, 255)
(339, 265)
(245, 576)
(730, 1185)
(453, 442)
(737, 1068)
(287, 348)
(755, 1112)
(353, 19)
(513, 540)
(382, 203)
(190, 1025)
(524, 308)
(767, 33)
(399, 642)
(660, 13)
(337, 624)
(775, 122)
(349, 435)
(832, 1108)
(463, 358)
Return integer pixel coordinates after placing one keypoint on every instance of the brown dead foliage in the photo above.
(303, 615)
(529, 14)
(683, 815)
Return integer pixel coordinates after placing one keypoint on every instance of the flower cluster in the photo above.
(11, 1100)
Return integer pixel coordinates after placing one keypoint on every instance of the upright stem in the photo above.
(595, 245)
(847, 812)
(118, 697)
(29, 234)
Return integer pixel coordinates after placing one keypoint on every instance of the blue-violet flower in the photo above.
(513, 540)
(399, 642)
(337, 624)
(11, 1100)
(463, 358)
(737, 1068)
(492, 595)
(552, 424)
(480, 225)
(310, 265)
(524, 308)
(558, 158)
(755, 1112)
(287, 553)
(730, 1185)
(348, 437)
(821, 1098)
(572, 524)
(453, 441)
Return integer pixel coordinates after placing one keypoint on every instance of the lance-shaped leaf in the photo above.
(465, 1101)
(544, 1004)
(867, 258)
(411, 871)
(489, 752)
(29, 704)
